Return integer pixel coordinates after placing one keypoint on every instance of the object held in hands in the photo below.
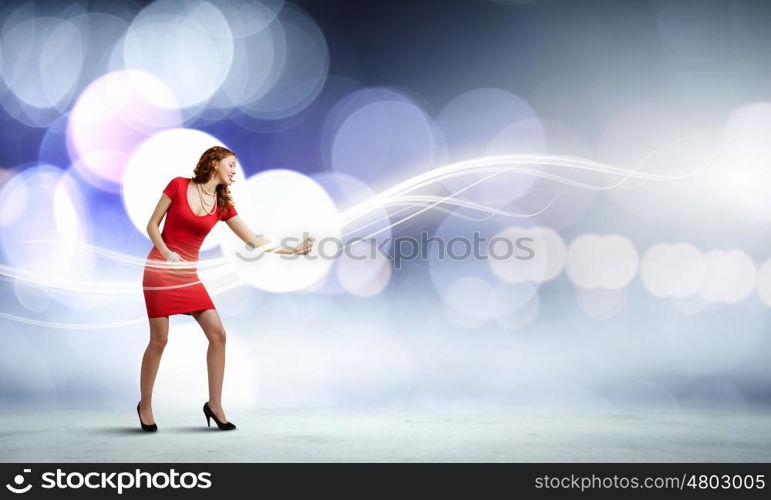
(305, 247)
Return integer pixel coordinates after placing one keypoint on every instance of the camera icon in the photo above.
(18, 481)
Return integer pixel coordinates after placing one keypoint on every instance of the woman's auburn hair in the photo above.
(204, 171)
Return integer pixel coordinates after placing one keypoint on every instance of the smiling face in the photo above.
(225, 170)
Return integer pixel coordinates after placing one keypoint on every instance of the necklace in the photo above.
(204, 204)
(200, 188)
(205, 191)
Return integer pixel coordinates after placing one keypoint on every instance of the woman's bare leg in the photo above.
(215, 357)
(159, 336)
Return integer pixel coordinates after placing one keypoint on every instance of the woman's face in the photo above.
(226, 170)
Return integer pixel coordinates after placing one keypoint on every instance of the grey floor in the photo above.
(447, 435)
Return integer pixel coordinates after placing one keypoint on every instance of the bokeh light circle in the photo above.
(534, 254)
(382, 136)
(365, 273)
(41, 203)
(744, 181)
(163, 37)
(282, 204)
(672, 270)
(608, 261)
(301, 48)
(259, 53)
(111, 118)
(41, 60)
(731, 276)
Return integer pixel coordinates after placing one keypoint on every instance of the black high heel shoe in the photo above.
(229, 426)
(145, 427)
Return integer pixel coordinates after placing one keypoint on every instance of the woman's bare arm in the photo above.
(154, 226)
(242, 231)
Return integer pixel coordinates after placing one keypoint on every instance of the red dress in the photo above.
(183, 232)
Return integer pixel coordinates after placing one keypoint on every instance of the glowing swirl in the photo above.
(400, 195)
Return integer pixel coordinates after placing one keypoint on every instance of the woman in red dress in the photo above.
(191, 207)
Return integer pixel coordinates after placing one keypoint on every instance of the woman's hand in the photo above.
(173, 257)
(305, 247)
